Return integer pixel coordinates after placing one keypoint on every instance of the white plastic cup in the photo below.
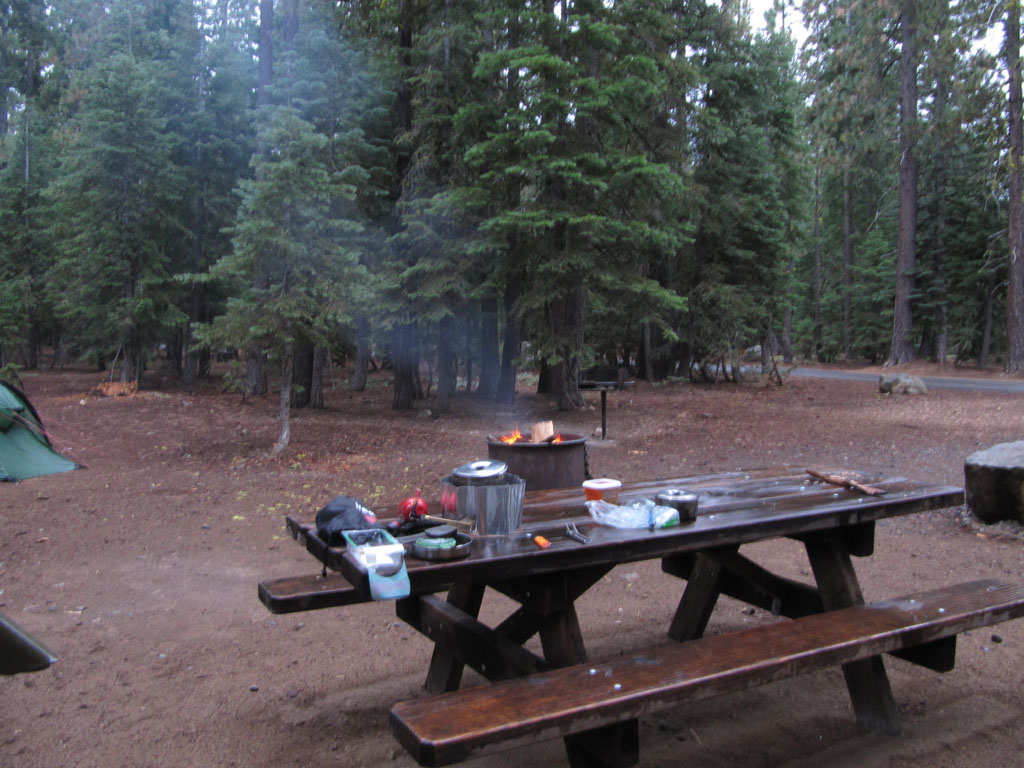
(602, 488)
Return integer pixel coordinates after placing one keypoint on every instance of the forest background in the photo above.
(472, 187)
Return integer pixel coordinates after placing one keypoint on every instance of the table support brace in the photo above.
(866, 680)
(445, 671)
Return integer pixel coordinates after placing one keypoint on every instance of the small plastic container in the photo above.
(681, 500)
(602, 489)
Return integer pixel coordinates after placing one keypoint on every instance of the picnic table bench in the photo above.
(594, 705)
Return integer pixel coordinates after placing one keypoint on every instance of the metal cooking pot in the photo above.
(482, 472)
(683, 501)
(485, 493)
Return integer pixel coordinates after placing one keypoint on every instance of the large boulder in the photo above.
(994, 482)
(901, 384)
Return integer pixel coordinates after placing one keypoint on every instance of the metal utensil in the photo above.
(573, 533)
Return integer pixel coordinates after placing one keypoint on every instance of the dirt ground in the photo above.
(140, 572)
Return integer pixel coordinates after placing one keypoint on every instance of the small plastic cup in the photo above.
(602, 488)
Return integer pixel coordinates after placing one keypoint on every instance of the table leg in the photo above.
(703, 586)
(615, 746)
(445, 672)
(866, 680)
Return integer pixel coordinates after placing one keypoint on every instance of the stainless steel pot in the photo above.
(683, 501)
(482, 472)
(484, 492)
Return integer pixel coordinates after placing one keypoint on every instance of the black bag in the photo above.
(343, 513)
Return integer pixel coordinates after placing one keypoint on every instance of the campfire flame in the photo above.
(557, 439)
(513, 437)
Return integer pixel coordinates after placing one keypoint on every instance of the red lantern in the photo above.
(412, 508)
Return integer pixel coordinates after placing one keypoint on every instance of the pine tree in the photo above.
(851, 63)
(287, 232)
(572, 201)
(1015, 230)
(216, 142)
(736, 271)
(902, 350)
(112, 209)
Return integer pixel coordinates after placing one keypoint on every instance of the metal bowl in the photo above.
(463, 544)
(683, 501)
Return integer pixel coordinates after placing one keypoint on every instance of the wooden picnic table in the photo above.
(598, 722)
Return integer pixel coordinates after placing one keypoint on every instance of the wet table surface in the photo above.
(734, 508)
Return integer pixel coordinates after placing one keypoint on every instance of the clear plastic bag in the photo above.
(642, 513)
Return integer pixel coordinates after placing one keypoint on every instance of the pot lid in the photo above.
(676, 494)
(484, 469)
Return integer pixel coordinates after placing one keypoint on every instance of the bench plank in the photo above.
(455, 726)
(308, 593)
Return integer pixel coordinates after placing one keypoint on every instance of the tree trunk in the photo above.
(902, 350)
(5, 89)
(255, 373)
(847, 260)
(405, 378)
(986, 331)
(545, 379)
(362, 353)
(190, 367)
(414, 365)
(32, 349)
(471, 331)
(134, 362)
(265, 66)
(817, 334)
(190, 370)
(567, 323)
(489, 362)
(302, 372)
(60, 354)
(404, 385)
(290, 21)
(403, 105)
(316, 384)
(942, 338)
(1015, 288)
(510, 347)
(940, 188)
(446, 370)
(646, 351)
(786, 343)
(566, 381)
(284, 404)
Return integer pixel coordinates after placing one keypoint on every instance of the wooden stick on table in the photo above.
(846, 483)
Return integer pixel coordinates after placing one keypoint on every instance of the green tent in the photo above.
(25, 450)
(19, 651)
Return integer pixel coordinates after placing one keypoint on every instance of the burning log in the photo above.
(513, 437)
(542, 432)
